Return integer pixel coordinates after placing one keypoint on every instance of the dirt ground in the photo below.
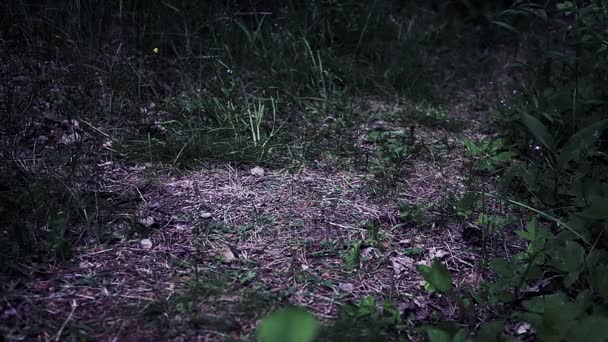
(221, 245)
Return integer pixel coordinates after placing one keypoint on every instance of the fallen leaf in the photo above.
(146, 243)
(226, 255)
(206, 215)
(9, 312)
(523, 328)
(369, 253)
(347, 287)
(70, 138)
(402, 263)
(436, 253)
(85, 264)
(147, 221)
(424, 262)
(257, 171)
(473, 279)
(106, 164)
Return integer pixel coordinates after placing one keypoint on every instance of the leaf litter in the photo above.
(283, 232)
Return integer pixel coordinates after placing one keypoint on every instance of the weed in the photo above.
(353, 256)
(364, 321)
(328, 248)
(428, 115)
(413, 251)
(374, 234)
(489, 155)
(394, 148)
(43, 217)
(412, 212)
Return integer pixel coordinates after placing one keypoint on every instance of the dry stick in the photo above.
(74, 305)
(141, 196)
(97, 130)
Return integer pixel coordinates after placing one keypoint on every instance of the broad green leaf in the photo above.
(472, 148)
(428, 287)
(597, 210)
(368, 307)
(590, 329)
(391, 312)
(502, 268)
(569, 257)
(538, 130)
(581, 141)
(565, 6)
(288, 325)
(490, 332)
(461, 336)
(538, 236)
(438, 335)
(495, 145)
(446, 334)
(531, 234)
(503, 157)
(598, 278)
(556, 304)
(580, 225)
(437, 276)
(466, 204)
(552, 315)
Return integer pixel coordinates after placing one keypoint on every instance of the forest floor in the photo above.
(221, 245)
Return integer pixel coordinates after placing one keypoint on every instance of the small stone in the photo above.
(206, 215)
(146, 243)
(257, 171)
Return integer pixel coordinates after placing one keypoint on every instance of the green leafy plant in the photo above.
(412, 212)
(394, 148)
(489, 154)
(366, 320)
(353, 256)
(433, 116)
(436, 277)
(290, 324)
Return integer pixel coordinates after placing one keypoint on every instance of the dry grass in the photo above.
(291, 229)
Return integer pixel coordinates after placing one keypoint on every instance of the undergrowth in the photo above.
(556, 127)
(178, 83)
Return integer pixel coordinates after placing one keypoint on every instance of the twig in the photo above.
(98, 130)
(74, 305)
(254, 13)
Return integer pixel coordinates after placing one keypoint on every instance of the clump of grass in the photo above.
(201, 305)
(429, 115)
(42, 217)
(223, 123)
(394, 149)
